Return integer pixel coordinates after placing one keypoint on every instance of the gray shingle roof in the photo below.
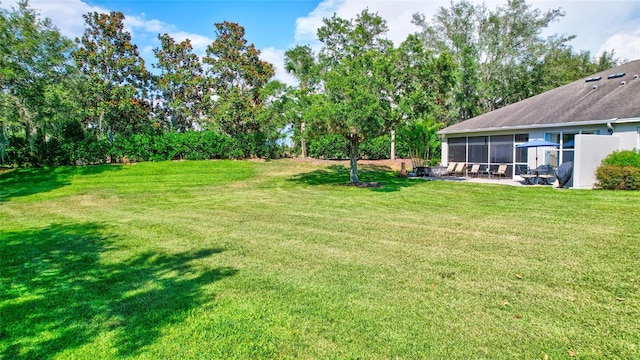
(575, 102)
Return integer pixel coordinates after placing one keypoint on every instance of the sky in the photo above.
(277, 25)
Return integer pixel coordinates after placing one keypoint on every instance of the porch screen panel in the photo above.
(502, 149)
(479, 150)
(522, 153)
(568, 145)
(458, 149)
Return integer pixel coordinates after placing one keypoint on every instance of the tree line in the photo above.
(93, 99)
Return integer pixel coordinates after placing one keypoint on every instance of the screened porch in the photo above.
(490, 152)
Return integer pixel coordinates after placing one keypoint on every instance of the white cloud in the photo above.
(198, 42)
(153, 25)
(276, 57)
(595, 22)
(307, 26)
(65, 14)
(626, 44)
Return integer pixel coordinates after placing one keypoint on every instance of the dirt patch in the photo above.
(394, 165)
(366, 185)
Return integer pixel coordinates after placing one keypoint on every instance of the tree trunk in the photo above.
(353, 157)
(303, 141)
(393, 145)
(100, 123)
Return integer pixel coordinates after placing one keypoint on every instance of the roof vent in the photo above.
(614, 76)
(595, 78)
(635, 76)
(595, 87)
(623, 83)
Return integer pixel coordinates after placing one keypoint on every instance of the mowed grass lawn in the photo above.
(250, 260)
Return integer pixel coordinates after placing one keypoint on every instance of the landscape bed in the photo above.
(251, 259)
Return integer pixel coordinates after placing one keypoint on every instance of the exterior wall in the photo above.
(444, 152)
(589, 152)
(629, 135)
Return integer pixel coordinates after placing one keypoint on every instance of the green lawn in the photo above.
(243, 259)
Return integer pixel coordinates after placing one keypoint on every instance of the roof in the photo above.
(613, 96)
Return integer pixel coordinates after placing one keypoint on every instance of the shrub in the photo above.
(618, 177)
(327, 147)
(620, 171)
(376, 148)
(623, 158)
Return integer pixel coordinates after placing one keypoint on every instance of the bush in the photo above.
(618, 177)
(376, 148)
(327, 147)
(623, 158)
(336, 147)
(620, 171)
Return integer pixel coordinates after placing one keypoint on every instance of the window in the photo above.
(478, 149)
(568, 141)
(458, 149)
(522, 153)
(502, 149)
(553, 137)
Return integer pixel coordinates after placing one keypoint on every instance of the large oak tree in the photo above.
(117, 79)
(236, 76)
(181, 84)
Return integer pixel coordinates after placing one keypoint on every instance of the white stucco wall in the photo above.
(629, 135)
(444, 159)
(589, 152)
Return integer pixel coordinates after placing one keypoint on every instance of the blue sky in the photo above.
(276, 25)
(267, 23)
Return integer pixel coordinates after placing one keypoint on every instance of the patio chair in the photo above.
(475, 170)
(450, 169)
(546, 174)
(460, 169)
(502, 171)
(527, 174)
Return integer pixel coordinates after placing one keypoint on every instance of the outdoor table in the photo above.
(530, 177)
(537, 176)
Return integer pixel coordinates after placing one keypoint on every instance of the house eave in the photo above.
(542, 126)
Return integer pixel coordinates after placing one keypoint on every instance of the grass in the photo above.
(241, 259)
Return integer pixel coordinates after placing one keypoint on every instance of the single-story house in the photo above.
(589, 118)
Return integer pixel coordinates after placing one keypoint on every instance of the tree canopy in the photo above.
(94, 100)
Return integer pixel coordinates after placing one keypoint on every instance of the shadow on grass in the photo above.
(25, 182)
(339, 175)
(58, 294)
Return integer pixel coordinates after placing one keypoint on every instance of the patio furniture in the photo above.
(460, 169)
(564, 174)
(545, 174)
(436, 171)
(527, 174)
(451, 169)
(419, 166)
(475, 170)
(502, 171)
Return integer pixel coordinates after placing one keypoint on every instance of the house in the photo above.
(589, 118)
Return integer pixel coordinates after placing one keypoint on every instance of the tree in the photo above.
(421, 94)
(235, 76)
(275, 117)
(354, 60)
(496, 50)
(117, 80)
(562, 65)
(180, 83)
(301, 62)
(34, 69)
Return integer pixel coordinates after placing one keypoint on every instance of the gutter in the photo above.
(542, 126)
